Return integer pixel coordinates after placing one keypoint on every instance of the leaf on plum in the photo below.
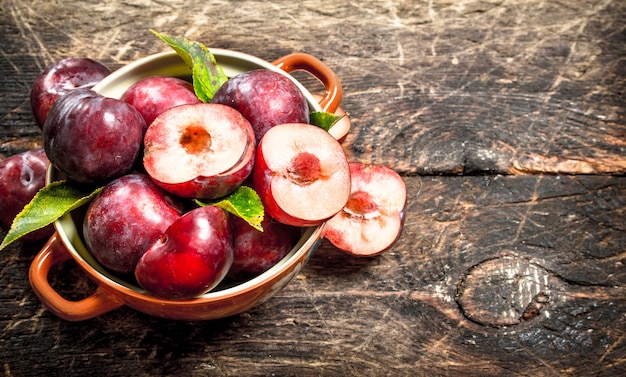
(324, 119)
(243, 202)
(48, 205)
(207, 75)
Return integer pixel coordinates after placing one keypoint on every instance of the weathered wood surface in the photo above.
(498, 272)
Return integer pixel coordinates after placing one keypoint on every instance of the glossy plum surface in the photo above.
(257, 251)
(125, 219)
(59, 78)
(153, 95)
(22, 175)
(92, 138)
(191, 258)
(265, 98)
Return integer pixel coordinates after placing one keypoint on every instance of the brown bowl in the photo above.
(113, 292)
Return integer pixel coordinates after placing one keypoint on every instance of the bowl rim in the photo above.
(182, 69)
(305, 245)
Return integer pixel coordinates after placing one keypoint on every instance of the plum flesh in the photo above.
(372, 219)
(301, 174)
(201, 151)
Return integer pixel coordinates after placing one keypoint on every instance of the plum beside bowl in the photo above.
(113, 292)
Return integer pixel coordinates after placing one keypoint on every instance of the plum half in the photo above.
(372, 220)
(301, 174)
(201, 151)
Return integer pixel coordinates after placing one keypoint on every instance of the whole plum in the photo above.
(93, 138)
(191, 258)
(265, 98)
(59, 78)
(125, 219)
(22, 175)
(153, 95)
(257, 251)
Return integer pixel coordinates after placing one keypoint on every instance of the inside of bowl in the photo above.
(170, 64)
(72, 237)
(69, 226)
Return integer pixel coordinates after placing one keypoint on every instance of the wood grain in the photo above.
(475, 86)
(507, 121)
(476, 280)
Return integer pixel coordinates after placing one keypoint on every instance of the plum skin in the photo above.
(191, 258)
(92, 138)
(59, 78)
(265, 98)
(22, 175)
(125, 219)
(257, 251)
(153, 95)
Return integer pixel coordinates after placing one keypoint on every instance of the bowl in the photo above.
(111, 291)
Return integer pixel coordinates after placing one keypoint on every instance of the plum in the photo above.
(257, 251)
(191, 258)
(59, 78)
(201, 151)
(22, 175)
(301, 174)
(372, 220)
(155, 94)
(92, 138)
(266, 98)
(125, 219)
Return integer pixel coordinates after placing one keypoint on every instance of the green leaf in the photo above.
(207, 75)
(243, 202)
(48, 205)
(324, 119)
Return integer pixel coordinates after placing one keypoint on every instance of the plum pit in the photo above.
(195, 140)
(360, 203)
(304, 169)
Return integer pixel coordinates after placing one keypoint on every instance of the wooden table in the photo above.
(507, 120)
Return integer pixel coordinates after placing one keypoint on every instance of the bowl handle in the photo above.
(52, 254)
(305, 62)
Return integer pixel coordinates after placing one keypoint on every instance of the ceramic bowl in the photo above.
(112, 292)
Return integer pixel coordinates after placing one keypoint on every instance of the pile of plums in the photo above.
(158, 150)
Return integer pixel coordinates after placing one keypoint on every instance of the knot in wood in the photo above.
(506, 291)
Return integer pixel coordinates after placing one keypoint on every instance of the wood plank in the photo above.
(482, 282)
(501, 269)
(433, 88)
